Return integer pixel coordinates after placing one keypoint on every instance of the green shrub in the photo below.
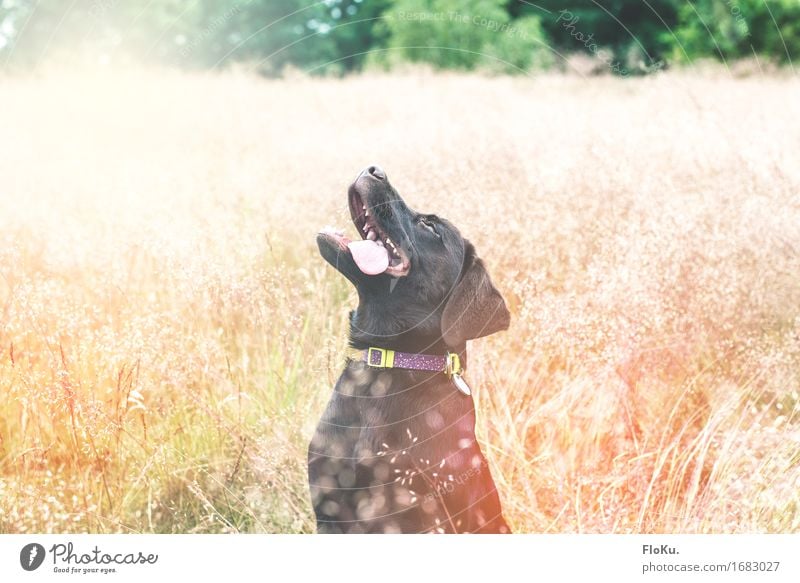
(730, 29)
(453, 34)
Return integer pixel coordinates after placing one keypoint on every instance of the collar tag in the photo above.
(461, 384)
(453, 370)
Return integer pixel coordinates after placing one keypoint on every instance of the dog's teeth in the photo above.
(365, 228)
(366, 212)
(364, 207)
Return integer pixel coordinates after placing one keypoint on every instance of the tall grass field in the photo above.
(169, 334)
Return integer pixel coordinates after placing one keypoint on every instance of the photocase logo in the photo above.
(31, 556)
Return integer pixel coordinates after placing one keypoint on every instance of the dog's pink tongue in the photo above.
(370, 257)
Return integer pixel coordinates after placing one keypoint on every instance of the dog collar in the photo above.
(449, 364)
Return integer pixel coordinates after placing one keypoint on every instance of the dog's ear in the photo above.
(475, 307)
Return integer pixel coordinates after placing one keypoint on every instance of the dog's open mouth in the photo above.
(376, 253)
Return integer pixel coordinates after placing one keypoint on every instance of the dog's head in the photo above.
(418, 280)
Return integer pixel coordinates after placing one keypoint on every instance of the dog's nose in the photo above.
(377, 172)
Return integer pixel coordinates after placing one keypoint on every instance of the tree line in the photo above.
(337, 36)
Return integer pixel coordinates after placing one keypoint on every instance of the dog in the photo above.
(395, 450)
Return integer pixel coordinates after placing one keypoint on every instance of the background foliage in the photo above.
(336, 36)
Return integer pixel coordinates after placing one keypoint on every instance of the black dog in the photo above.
(395, 450)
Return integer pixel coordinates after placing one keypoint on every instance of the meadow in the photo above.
(169, 333)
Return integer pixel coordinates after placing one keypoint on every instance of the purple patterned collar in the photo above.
(449, 363)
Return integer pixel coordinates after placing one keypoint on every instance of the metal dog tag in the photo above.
(461, 384)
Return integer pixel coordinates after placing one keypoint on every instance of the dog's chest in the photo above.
(370, 409)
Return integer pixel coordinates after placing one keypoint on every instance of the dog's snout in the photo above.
(376, 172)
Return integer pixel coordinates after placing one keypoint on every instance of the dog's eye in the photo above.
(430, 225)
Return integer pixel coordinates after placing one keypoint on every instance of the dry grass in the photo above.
(170, 334)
